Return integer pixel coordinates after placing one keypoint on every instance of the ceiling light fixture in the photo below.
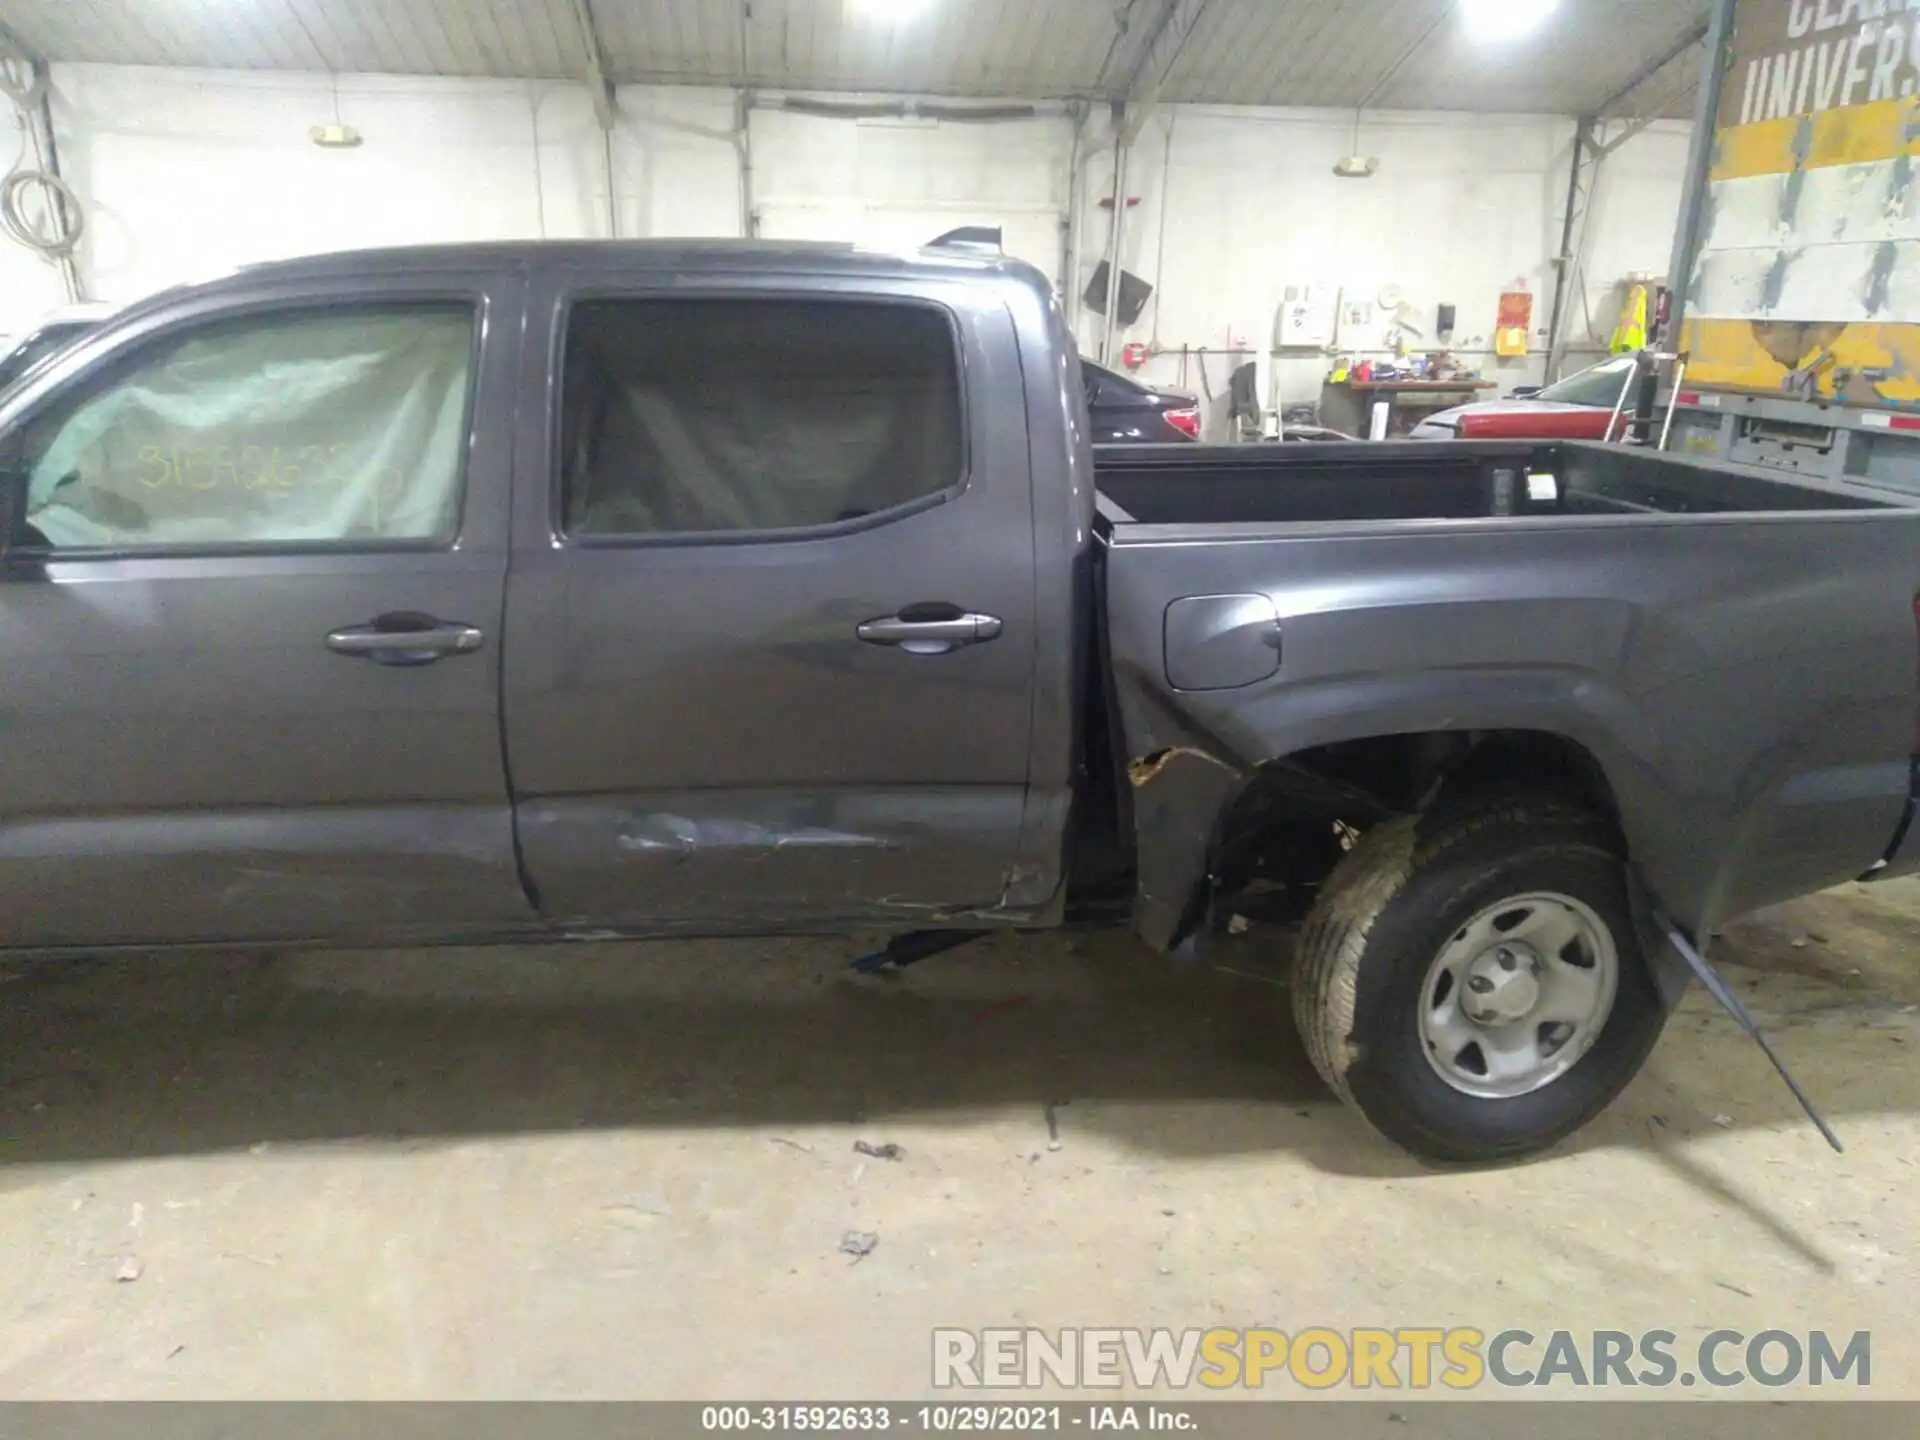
(890, 12)
(1497, 20)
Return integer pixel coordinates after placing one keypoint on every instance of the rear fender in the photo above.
(1186, 775)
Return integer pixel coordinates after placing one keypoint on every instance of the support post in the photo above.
(599, 88)
(1687, 237)
(600, 91)
(1116, 232)
(1566, 263)
(1172, 29)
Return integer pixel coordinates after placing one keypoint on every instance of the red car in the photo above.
(1576, 408)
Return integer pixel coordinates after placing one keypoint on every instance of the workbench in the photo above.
(1348, 404)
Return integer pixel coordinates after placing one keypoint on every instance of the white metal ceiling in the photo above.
(1248, 52)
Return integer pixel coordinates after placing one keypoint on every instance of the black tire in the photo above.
(1383, 917)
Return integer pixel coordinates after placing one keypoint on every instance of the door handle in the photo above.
(404, 638)
(930, 629)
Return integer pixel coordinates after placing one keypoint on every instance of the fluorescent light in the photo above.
(886, 11)
(1497, 20)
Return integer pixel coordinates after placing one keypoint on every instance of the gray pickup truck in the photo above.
(520, 591)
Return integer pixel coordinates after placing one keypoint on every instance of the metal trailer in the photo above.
(1795, 273)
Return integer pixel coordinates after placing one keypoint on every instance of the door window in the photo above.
(287, 428)
(736, 416)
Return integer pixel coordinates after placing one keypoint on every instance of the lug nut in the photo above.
(1480, 985)
(1506, 959)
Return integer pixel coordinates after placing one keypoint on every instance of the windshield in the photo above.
(1596, 385)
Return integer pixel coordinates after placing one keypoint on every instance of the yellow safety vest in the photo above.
(1631, 333)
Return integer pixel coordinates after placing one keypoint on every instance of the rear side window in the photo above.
(282, 428)
(1106, 388)
(717, 416)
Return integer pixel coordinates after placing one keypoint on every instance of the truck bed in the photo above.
(1734, 653)
(1467, 480)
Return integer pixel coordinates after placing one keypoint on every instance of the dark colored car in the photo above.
(1125, 412)
(552, 591)
(1576, 408)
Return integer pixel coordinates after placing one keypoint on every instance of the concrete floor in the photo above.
(625, 1171)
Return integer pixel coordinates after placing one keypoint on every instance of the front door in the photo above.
(771, 642)
(249, 626)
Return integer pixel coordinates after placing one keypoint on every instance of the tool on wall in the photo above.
(1406, 319)
(38, 209)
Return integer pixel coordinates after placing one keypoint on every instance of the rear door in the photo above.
(771, 640)
(250, 623)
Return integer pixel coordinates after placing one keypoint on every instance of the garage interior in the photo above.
(631, 1171)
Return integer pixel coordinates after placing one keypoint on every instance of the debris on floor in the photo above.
(250, 1259)
(130, 1270)
(859, 1244)
(889, 1151)
(1275, 980)
(638, 1207)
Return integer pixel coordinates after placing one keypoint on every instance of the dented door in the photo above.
(770, 644)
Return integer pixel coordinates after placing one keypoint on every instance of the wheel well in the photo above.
(1300, 813)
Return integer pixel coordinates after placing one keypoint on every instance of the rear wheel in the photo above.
(1470, 981)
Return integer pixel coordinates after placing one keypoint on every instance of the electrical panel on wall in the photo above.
(1306, 318)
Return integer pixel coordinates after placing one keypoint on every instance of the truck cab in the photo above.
(485, 590)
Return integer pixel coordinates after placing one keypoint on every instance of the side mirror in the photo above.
(1525, 392)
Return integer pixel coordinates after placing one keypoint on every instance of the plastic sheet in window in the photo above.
(709, 416)
(307, 428)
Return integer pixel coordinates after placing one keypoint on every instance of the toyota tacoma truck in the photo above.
(513, 592)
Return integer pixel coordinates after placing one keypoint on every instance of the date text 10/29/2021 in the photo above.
(977, 1419)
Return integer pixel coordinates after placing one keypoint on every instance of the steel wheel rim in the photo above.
(1518, 995)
